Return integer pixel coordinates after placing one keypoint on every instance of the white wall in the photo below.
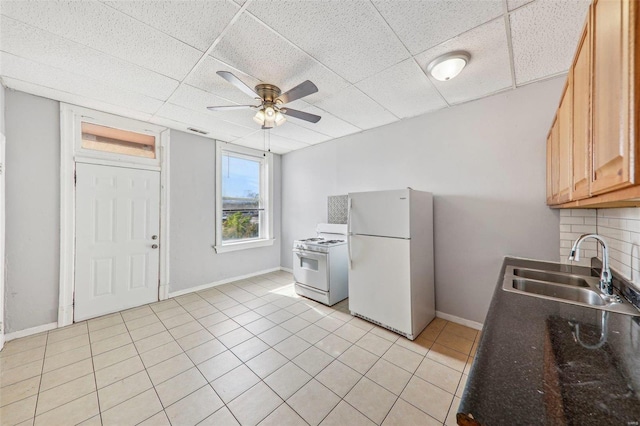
(32, 210)
(193, 260)
(485, 163)
(2, 89)
(33, 214)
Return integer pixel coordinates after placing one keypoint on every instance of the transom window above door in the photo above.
(243, 200)
(117, 141)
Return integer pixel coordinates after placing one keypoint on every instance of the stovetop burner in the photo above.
(310, 240)
(330, 242)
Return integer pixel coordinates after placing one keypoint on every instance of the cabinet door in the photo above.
(582, 118)
(565, 143)
(555, 163)
(612, 144)
(549, 167)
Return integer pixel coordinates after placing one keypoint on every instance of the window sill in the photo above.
(243, 245)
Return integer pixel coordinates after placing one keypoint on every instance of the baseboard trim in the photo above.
(30, 331)
(217, 283)
(472, 324)
(289, 270)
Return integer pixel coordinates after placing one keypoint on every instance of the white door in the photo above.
(379, 280)
(117, 228)
(383, 213)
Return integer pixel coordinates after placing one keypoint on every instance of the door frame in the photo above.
(70, 152)
(3, 168)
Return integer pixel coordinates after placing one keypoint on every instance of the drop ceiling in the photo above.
(157, 60)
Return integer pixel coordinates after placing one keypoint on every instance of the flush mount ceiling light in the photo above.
(449, 65)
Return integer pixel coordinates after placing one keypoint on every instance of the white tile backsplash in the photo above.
(621, 229)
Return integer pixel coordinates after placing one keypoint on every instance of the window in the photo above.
(243, 200)
(117, 141)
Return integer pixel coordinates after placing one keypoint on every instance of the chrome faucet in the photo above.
(606, 285)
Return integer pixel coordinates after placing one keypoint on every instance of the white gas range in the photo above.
(320, 264)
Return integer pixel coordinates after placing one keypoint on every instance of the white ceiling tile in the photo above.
(404, 90)
(258, 51)
(292, 130)
(47, 92)
(488, 70)
(204, 77)
(194, 22)
(329, 124)
(47, 76)
(204, 121)
(279, 144)
(98, 26)
(514, 4)
(357, 108)
(40, 46)
(349, 37)
(545, 35)
(425, 24)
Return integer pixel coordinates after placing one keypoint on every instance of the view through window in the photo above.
(242, 206)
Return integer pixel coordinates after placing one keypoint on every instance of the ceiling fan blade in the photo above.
(238, 83)
(300, 91)
(229, 107)
(300, 114)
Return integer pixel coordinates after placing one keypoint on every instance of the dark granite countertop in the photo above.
(530, 370)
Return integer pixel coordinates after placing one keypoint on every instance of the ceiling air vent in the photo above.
(202, 132)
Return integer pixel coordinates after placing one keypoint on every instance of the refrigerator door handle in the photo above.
(349, 231)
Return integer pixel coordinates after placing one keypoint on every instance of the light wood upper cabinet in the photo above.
(564, 133)
(613, 57)
(593, 152)
(581, 74)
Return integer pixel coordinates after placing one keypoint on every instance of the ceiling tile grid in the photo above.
(349, 37)
(78, 85)
(403, 89)
(545, 34)
(96, 25)
(41, 46)
(356, 108)
(73, 99)
(489, 68)
(195, 22)
(424, 24)
(262, 53)
(148, 59)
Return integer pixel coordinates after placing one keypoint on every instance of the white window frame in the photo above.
(266, 192)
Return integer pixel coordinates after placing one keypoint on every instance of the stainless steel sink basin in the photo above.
(564, 287)
(554, 277)
(575, 294)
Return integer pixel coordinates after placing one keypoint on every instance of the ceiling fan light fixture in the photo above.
(259, 117)
(449, 65)
(279, 118)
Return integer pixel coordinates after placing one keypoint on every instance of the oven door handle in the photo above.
(310, 254)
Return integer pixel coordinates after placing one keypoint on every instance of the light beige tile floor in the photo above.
(250, 352)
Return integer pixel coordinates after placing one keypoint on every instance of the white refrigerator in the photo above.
(391, 273)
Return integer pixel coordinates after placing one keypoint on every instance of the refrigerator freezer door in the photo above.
(380, 213)
(379, 281)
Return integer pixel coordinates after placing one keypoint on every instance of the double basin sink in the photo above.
(565, 287)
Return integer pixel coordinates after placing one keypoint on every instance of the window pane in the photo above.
(240, 183)
(117, 141)
(240, 225)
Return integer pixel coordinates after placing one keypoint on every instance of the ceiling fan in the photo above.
(271, 111)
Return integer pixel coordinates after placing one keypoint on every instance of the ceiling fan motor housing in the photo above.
(268, 92)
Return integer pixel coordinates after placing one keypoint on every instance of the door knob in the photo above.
(154, 237)
(155, 246)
